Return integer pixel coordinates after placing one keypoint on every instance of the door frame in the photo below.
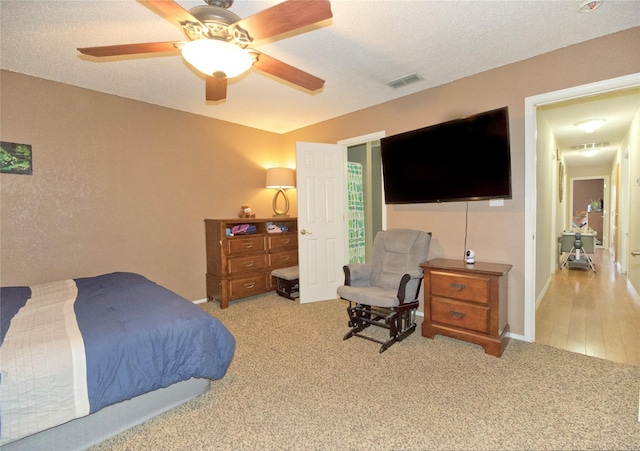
(346, 143)
(530, 122)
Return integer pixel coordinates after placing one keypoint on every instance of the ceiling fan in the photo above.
(219, 40)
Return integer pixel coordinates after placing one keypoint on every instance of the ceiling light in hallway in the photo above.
(590, 125)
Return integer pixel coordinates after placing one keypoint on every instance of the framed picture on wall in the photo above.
(15, 158)
(560, 181)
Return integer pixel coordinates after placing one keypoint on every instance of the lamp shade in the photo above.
(210, 56)
(280, 178)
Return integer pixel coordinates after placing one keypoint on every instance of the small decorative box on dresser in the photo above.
(467, 301)
(240, 266)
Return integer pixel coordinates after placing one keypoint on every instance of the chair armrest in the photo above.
(410, 281)
(416, 273)
(357, 274)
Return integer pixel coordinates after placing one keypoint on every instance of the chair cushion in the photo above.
(290, 273)
(376, 296)
(396, 252)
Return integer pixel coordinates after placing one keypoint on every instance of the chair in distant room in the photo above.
(385, 292)
(578, 247)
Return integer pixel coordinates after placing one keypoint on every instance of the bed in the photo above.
(81, 353)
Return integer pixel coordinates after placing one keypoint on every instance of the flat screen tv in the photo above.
(459, 160)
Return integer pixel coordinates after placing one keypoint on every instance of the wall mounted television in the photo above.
(465, 159)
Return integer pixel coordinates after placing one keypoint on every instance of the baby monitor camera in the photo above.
(471, 257)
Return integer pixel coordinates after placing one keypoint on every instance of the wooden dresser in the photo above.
(240, 266)
(468, 302)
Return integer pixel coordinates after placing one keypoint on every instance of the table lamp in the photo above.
(280, 179)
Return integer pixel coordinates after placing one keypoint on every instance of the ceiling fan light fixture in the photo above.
(211, 56)
(590, 125)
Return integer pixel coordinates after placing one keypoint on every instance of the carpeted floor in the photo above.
(295, 385)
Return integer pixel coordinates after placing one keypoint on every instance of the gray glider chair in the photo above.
(385, 292)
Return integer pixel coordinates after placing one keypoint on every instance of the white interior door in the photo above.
(321, 172)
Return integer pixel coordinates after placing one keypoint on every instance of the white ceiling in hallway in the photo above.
(617, 108)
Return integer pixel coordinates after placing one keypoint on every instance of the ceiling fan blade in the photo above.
(131, 49)
(286, 16)
(286, 72)
(172, 11)
(216, 88)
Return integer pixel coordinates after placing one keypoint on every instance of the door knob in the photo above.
(304, 232)
(635, 253)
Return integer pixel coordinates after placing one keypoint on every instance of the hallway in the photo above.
(591, 313)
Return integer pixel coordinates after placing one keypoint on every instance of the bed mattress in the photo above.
(70, 348)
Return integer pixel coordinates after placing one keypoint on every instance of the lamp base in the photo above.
(280, 213)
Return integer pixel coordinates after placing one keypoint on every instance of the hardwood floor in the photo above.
(591, 313)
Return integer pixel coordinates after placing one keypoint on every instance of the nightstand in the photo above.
(467, 302)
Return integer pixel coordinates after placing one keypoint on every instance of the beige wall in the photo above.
(121, 185)
(496, 234)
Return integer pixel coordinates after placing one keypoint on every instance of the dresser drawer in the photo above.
(248, 286)
(245, 244)
(460, 314)
(239, 265)
(460, 286)
(283, 259)
(283, 241)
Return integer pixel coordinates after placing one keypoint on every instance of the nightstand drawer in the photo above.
(245, 244)
(283, 259)
(250, 286)
(283, 241)
(244, 264)
(460, 286)
(460, 314)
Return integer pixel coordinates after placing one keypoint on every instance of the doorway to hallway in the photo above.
(540, 239)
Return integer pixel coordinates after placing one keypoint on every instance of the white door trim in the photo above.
(362, 139)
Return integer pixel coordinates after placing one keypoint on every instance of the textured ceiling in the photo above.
(366, 44)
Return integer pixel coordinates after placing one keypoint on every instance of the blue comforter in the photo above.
(138, 336)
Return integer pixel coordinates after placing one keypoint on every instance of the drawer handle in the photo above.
(249, 285)
(286, 241)
(248, 245)
(456, 315)
(248, 264)
(284, 257)
(456, 286)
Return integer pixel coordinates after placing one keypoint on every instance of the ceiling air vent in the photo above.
(404, 81)
(590, 146)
